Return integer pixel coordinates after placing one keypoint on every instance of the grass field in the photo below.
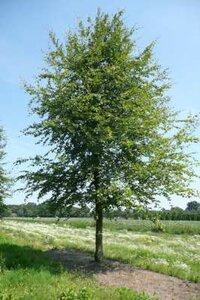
(172, 227)
(26, 273)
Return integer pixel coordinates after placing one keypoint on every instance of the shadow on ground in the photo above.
(116, 274)
(108, 273)
(13, 256)
(76, 260)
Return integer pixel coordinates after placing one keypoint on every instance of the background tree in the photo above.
(103, 112)
(4, 180)
(193, 205)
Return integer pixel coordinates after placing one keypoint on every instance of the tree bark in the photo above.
(99, 221)
(99, 233)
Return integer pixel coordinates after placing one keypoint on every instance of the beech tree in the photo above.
(102, 110)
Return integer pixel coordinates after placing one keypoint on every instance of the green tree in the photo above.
(44, 211)
(104, 114)
(193, 205)
(4, 180)
(30, 209)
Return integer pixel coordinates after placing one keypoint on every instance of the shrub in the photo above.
(71, 294)
(158, 226)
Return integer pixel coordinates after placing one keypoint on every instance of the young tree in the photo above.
(103, 112)
(4, 180)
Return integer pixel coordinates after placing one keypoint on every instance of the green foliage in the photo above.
(126, 294)
(158, 226)
(193, 206)
(104, 114)
(4, 180)
(71, 294)
(43, 210)
(2, 264)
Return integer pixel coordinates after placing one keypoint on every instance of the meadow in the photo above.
(172, 227)
(27, 273)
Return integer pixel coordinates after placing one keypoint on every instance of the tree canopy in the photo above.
(193, 205)
(104, 114)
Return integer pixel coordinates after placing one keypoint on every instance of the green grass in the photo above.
(27, 273)
(167, 253)
(172, 227)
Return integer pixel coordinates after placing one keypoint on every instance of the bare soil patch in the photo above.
(116, 274)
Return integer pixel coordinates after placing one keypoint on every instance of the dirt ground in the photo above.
(116, 274)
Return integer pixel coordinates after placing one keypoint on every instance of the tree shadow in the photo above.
(55, 261)
(13, 256)
(113, 273)
(78, 261)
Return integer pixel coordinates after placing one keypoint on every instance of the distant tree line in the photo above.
(192, 213)
(33, 210)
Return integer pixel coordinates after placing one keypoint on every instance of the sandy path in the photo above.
(116, 274)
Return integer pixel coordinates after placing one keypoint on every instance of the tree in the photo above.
(193, 205)
(4, 180)
(30, 210)
(104, 114)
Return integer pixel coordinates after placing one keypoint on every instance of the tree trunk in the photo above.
(99, 233)
(99, 220)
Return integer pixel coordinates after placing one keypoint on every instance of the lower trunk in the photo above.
(99, 233)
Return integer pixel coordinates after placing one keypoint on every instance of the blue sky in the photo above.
(24, 28)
